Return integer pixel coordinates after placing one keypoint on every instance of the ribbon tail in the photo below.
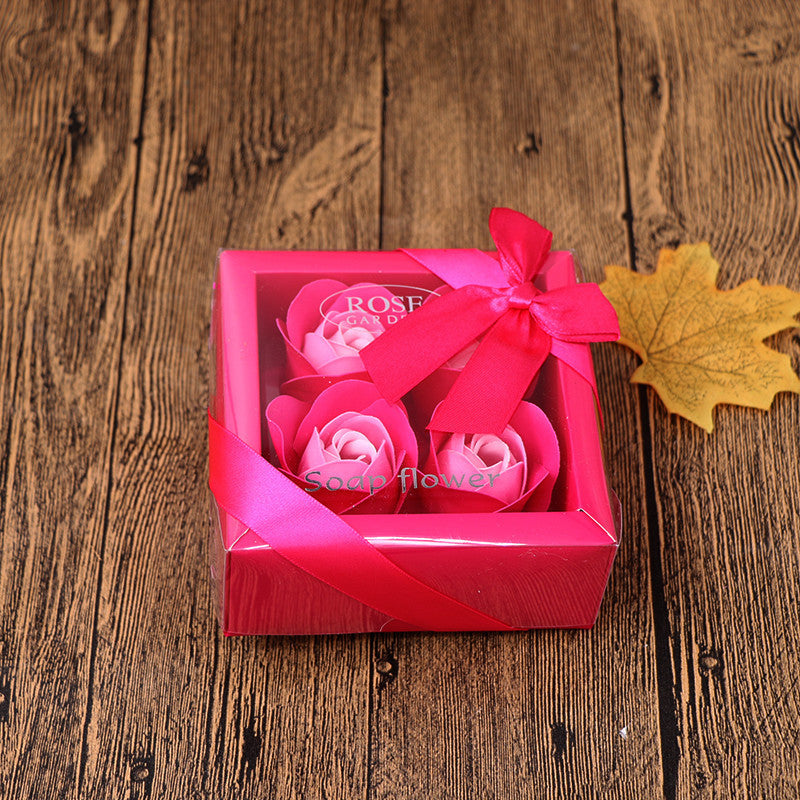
(578, 356)
(579, 313)
(491, 385)
(461, 267)
(321, 543)
(522, 243)
(420, 343)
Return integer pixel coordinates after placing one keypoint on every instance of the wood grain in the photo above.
(72, 83)
(251, 138)
(136, 138)
(712, 115)
(477, 116)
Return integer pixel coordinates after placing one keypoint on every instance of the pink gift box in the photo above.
(543, 569)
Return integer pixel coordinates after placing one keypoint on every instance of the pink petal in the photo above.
(541, 442)
(296, 363)
(284, 416)
(383, 463)
(456, 444)
(328, 359)
(304, 313)
(346, 395)
(340, 367)
(309, 387)
(370, 426)
(506, 486)
(492, 451)
(537, 497)
(452, 441)
(313, 456)
(318, 350)
(349, 341)
(458, 467)
(357, 338)
(394, 417)
(510, 448)
(354, 445)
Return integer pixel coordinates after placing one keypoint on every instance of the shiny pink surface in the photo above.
(533, 570)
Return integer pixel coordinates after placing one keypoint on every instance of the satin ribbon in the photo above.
(316, 540)
(496, 299)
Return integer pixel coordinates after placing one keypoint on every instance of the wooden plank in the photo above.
(489, 106)
(262, 129)
(712, 116)
(69, 109)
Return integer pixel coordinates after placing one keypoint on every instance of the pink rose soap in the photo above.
(513, 471)
(347, 448)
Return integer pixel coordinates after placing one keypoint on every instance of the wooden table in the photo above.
(139, 137)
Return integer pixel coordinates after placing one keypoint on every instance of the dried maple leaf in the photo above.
(702, 346)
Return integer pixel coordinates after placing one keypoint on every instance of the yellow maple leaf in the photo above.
(701, 346)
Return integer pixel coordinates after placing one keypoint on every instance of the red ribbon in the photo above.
(520, 325)
(316, 540)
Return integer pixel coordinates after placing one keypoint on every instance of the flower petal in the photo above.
(304, 312)
(493, 451)
(296, 363)
(346, 395)
(383, 462)
(506, 486)
(395, 419)
(353, 445)
(457, 467)
(541, 442)
(329, 358)
(314, 455)
(318, 351)
(284, 416)
(537, 497)
(369, 426)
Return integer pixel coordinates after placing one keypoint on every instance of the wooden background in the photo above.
(137, 138)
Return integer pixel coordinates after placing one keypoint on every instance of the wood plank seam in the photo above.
(138, 141)
(374, 658)
(665, 673)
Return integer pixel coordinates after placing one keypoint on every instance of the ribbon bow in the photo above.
(495, 297)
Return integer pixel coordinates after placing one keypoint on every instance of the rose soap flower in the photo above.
(327, 325)
(481, 472)
(346, 448)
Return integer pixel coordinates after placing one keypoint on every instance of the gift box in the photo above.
(339, 508)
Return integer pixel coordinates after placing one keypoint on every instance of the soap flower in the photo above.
(327, 325)
(346, 448)
(479, 472)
